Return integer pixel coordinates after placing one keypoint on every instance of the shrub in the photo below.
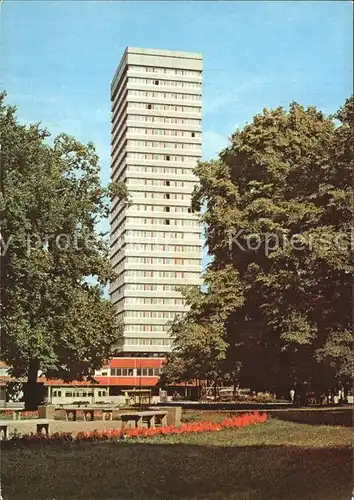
(6, 415)
(264, 397)
(28, 415)
(23, 415)
(192, 417)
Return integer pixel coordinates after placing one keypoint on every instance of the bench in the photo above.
(40, 425)
(74, 411)
(3, 431)
(144, 419)
(106, 411)
(89, 412)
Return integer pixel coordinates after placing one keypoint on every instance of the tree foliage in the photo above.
(54, 262)
(278, 205)
(199, 348)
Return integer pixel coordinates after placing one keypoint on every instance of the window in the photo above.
(104, 374)
(149, 106)
(167, 222)
(146, 372)
(193, 134)
(54, 394)
(156, 82)
(189, 210)
(167, 183)
(167, 158)
(68, 394)
(122, 372)
(167, 196)
(167, 209)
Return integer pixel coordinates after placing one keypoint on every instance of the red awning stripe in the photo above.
(136, 362)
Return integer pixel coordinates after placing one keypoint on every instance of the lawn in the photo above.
(274, 460)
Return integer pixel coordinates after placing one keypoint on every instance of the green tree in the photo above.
(199, 346)
(278, 211)
(54, 265)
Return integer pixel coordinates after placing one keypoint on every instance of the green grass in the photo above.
(275, 460)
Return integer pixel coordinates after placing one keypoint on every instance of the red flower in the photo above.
(236, 422)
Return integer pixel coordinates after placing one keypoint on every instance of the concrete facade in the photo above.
(155, 240)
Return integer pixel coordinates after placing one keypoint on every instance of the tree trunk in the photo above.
(32, 389)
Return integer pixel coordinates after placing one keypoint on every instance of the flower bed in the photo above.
(23, 415)
(235, 422)
(28, 415)
(6, 415)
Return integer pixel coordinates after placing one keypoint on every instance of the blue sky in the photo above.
(58, 58)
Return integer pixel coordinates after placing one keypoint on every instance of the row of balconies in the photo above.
(190, 177)
(148, 294)
(158, 97)
(121, 237)
(122, 111)
(158, 281)
(121, 254)
(122, 118)
(117, 233)
(117, 219)
(117, 167)
(131, 221)
(164, 76)
(186, 188)
(161, 94)
(146, 348)
(137, 197)
(168, 151)
(157, 267)
(189, 127)
(151, 253)
(164, 226)
(142, 135)
(160, 206)
(175, 308)
(132, 57)
(141, 200)
(159, 254)
(124, 135)
(161, 240)
(131, 73)
(129, 121)
(144, 321)
(117, 164)
(187, 112)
